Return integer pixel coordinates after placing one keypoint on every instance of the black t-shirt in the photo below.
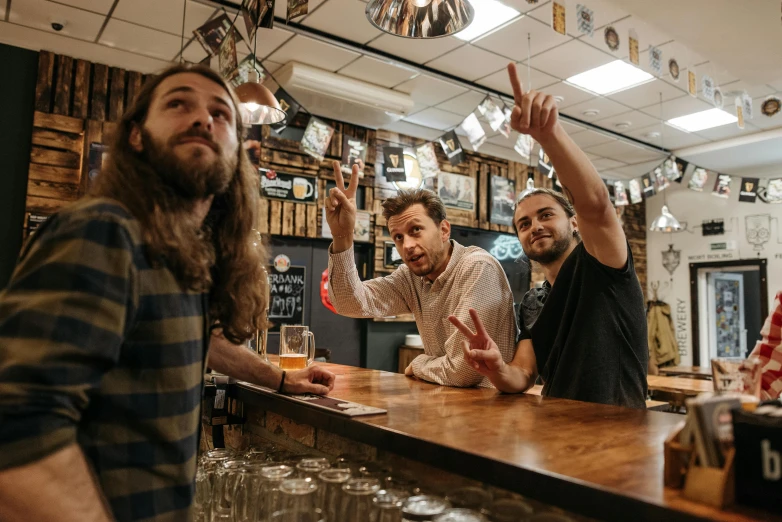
(589, 332)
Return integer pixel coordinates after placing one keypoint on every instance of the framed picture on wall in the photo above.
(503, 195)
(456, 191)
(391, 257)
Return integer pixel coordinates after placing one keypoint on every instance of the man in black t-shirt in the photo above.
(584, 331)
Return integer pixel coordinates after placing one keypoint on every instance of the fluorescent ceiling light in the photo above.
(489, 14)
(611, 77)
(703, 120)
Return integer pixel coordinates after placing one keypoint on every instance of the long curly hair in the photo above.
(222, 255)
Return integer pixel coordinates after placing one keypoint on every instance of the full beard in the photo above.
(558, 247)
(193, 178)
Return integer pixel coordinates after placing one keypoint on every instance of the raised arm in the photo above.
(536, 114)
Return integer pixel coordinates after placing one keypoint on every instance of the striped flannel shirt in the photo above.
(769, 351)
(99, 348)
(472, 279)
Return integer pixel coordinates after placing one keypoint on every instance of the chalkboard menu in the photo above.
(287, 296)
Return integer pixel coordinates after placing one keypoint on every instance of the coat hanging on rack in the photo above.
(663, 348)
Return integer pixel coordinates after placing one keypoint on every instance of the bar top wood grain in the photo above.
(683, 385)
(597, 460)
(698, 372)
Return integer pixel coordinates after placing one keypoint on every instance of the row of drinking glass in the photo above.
(272, 485)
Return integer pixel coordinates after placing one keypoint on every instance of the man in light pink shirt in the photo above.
(439, 278)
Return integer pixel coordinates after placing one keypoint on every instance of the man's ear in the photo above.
(135, 138)
(574, 223)
(445, 230)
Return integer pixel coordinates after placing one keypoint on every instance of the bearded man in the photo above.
(584, 332)
(105, 325)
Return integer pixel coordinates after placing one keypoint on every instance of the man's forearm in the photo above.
(57, 488)
(512, 379)
(240, 363)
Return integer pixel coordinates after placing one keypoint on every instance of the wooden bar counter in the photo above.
(600, 461)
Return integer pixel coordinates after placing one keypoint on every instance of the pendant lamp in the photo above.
(420, 18)
(665, 222)
(259, 106)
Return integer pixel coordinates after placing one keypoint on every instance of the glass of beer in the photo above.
(297, 347)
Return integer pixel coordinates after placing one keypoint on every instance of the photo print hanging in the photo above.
(227, 63)
(267, 14)
(505, 127)
(354, 152)
(722, 186)
(394, 164)
(297, 8)
(648, 185)
(585, 20)
(251, 13)
(427, 160)
(316, 139)
(503, 195)
(524, 146)
(452, 148)
(771, 106)
(620, 194)
(474, 131)
(211, 34)
(692, 83)
(707, 86)
(749, 190)
(771, 193)
(492, 113)
(558, 17)
(636, 195)
(673, 69)
(635, 55)
(656, 60)
(698, 180)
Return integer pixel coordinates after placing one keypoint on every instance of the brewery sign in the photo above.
(288, 187)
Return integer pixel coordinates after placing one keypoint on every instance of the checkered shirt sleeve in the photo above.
(769, 351)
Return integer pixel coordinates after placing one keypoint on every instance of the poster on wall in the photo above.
(503, 195)
(361, 228)
(391, 257)
(316, 139)
(394, 164)
(354, 152)
(722, 186)
(287, 287)
(288, 187)
(457, 191)
(749, 190)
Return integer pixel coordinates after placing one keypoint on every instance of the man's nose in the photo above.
(202, 118)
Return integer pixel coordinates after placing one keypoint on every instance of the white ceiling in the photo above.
(145, 34)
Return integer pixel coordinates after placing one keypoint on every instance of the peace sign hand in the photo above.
(480, 351)
(341, 205)
(534, 113)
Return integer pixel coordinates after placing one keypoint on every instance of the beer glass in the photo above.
(269, 498)
(223, 492)
(296, 515)
(423, 507)
(205, 476)
(356, 505)
(247, 492)
(460, 515)
(298, 494)
(387, 505)
(297, 347)
(310, 467)
(330, 490)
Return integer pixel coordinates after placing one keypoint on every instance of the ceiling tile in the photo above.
(469, 62)
(639, 169)
(38, 14)
(142, 40)
(754, 91)
(312, 52)
(721, 76)
(419, 51)
(730, 130)
(426, 90)
(499, 151)
(343, 18)
(499, 81)
(270, 39)
(411, 129)
(376, 71)
(647, 35)
(570, 127)
(606, 13)
(96, 6)
(587, 138)
(647, 94)
(606, 107)
(762, 121)
(622, 151)
(607, 163)
(571, 95)
(511, 40)
(435, 118)
(502, 141)
(195, 53)
(570, 59)
(636, 119)
(677, 107)
(167, 15)
(673, 138)
(464, 104)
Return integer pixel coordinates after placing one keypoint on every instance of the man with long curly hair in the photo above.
(105, 325)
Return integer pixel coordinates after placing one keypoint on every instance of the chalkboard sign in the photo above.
(287, 296)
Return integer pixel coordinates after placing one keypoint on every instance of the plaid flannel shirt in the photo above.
(99, 348)
(769, 351)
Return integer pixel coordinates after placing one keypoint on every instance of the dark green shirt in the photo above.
(99, 348)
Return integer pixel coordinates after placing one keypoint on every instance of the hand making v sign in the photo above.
(341, 209)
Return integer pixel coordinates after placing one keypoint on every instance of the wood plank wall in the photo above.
(78, 103)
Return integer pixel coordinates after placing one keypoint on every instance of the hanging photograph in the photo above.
(212, 33)
(635, 56)
(620, 194)
(427, 160)
(722, 186)
(475, 133)
(296, 8)
(267, 14)
(391, 257)
(673, 169)
(544, 163)
(707, 86)
(505, 127)
(660, 181)
(456, 191)
(636, 196)
(243, 71)
(656, 60)
(524, 146)
(773, 191)
(251, 12)
(503, 197)
(316, 139)
(673, 69)
(451, 147)
(227, 63)
(354, 152)
(586, 20)
(290, 106)
(493, 114)
(394, 164)
(699, 179)
(747, 106)
(648, 185)
(558, 17)
(749, 190)
(611, 38)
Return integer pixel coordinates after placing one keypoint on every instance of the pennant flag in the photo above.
(692, 83)
(287, 104)
(620, 194)
(708, 86)
(656, 60)
(493, 114)
(267, 14)
(699, 179)
(635, 57)
(251, 12)
(451, 147)
(505, 127)
(354, 152)
(648, 185)
(722, 186)
(212, 33)
(749, 190)
(297, 8)
(558, 17)
(524, 146)
(227, 63)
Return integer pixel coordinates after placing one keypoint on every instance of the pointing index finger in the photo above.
(518, 90)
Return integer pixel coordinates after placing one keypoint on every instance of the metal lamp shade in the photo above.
(259, 106)
(665, 222)
(420, 18)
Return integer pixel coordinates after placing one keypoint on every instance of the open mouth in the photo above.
(414, 259)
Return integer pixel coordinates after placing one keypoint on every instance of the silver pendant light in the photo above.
(420, 18)
(665, 222)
